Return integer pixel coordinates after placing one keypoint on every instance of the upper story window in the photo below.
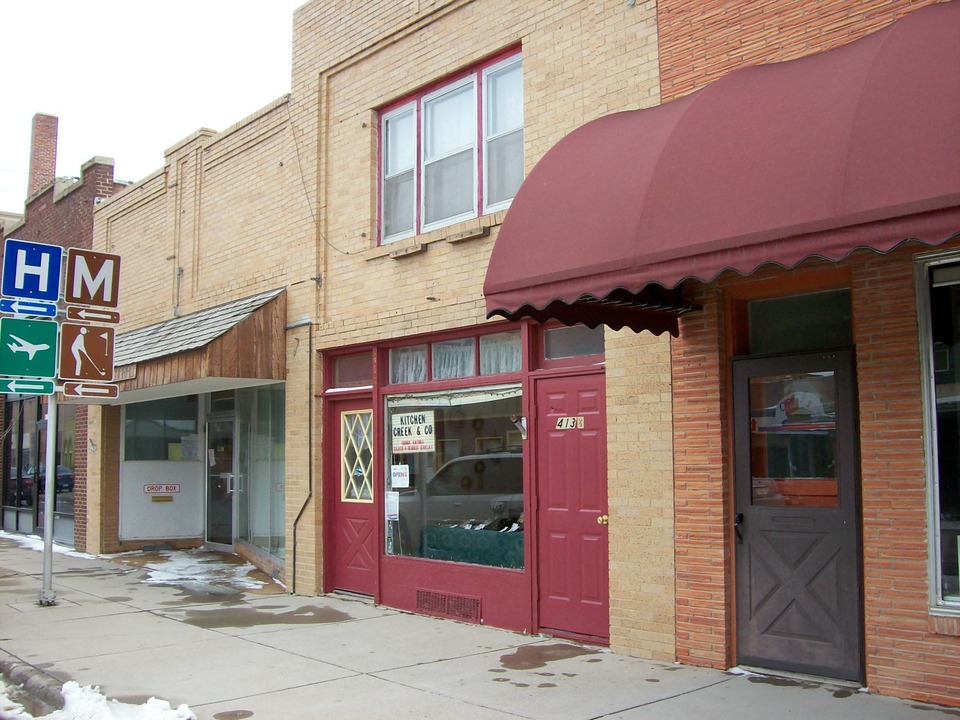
(452, 152)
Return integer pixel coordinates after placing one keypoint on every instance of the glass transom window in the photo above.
(453, 152)
(491, 354)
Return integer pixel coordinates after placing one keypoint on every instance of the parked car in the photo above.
(483, 490)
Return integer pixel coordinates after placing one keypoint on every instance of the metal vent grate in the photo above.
(459, 607)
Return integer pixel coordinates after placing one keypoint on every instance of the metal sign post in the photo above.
(47, 594)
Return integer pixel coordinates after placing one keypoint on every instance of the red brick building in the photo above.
(799, 223)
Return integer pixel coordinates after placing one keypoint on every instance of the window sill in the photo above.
(945, 622)
(407, 249)
(476, 229)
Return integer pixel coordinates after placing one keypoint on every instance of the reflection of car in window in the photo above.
(63, 481)
(484, 491)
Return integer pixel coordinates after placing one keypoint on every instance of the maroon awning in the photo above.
(856, 147)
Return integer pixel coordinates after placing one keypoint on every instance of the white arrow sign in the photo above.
(20, 307)
(27, 387)
(88, 389)
(90, 315)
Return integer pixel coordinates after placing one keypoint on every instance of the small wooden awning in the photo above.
(856, 147)
(236, 344)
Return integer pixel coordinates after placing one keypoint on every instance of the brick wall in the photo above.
(703, 496)
(105, 495)
(352, 58)
(909, 652)
(61, 213)
(640, 495)
(702, 40)
(226, 217)
(43, 152)
(81, 448)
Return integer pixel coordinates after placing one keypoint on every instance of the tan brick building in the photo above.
(309, 376)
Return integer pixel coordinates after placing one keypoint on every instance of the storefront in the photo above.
(194, 452)
(803, 235)
(466, 476)
(206, 465)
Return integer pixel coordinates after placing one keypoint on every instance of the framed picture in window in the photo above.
(488, 444)
(447, 450)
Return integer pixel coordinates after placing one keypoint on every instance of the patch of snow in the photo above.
(186, 567)
(35, 542)
(87, 703)
(183, 567)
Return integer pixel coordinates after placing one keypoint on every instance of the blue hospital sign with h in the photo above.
(31, 270)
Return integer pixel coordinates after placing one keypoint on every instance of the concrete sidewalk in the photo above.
(237, 653)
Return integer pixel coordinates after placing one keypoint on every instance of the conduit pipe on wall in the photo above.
(305, 322)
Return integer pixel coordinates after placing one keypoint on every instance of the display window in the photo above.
(455, 485)
(942, 348)
(21, 453)
(158, 429)
(25, 472)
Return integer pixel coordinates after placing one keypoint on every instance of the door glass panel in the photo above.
(220, 482)
(356, 452)
(793, 440)
(31, 451)
(259, 486)
(244, 479)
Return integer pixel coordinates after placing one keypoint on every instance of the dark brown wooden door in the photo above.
(354, 514)
(572, 506)
(796, 519)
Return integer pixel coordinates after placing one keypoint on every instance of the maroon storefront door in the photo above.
(351, 488)
(572, 520)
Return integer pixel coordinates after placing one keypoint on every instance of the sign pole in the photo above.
(47, 594)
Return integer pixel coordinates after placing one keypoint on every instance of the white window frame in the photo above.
(477, 79)
(394, 113)
(925, 264)
(468, 81)
(486, 135)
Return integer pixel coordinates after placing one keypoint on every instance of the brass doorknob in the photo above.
(603, 520)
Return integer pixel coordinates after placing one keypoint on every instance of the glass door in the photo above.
(221, 481)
